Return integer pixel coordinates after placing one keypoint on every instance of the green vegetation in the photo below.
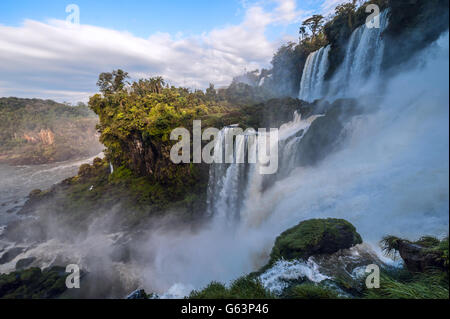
(242, 288)
(314, 236)
(415, 286)
(311, 291)
(34, 131)
(403, 40)
(33, 283)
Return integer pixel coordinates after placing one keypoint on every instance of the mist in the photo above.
(389, 176)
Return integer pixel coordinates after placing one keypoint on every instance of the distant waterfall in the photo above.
(363, 58)
(311, 86)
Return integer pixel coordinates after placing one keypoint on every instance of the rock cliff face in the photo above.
(35, 131)
(44, 137)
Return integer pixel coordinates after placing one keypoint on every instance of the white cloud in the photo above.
(59, 61)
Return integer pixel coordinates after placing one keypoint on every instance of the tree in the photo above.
(211, 92)
(151, 85)
(347, 9)
(111, 82)
(314, 24)
(302, 32)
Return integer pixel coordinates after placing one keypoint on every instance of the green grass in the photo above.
(242, 288)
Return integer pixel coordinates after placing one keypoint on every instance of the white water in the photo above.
(275, 278)
(236, 186)
(312, 83)
(390, 177)
(363, 60)
(362, 63)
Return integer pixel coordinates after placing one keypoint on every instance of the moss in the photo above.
(314, 236)
(33, 283)
(214, 290)
(242, 288)
(311, 291)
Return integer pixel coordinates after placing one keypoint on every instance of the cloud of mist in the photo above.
(390, 177)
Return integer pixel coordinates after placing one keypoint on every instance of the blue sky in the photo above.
(142, 18)
(190, 43)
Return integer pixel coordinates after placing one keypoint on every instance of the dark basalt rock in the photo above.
(24, 263)
(11, 254)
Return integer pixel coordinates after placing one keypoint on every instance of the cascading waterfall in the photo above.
(228, 178)
(363, 59)
(362, 62)
(311, 86)
(392, 167)
(233, 185)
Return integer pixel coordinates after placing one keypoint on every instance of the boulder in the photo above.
(315, 237)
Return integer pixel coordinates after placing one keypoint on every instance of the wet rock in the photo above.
(11, 254)
(24, 263)
(326, 132)
(138, 294)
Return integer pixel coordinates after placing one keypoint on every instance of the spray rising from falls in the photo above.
(312, 83)
(393, 166)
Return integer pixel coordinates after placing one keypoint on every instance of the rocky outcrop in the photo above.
(325, 133)
(315, 237)
(420, 256)
(44, 137)
(33, 283)
(34, 131)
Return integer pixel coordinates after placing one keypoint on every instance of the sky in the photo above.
(45, 53)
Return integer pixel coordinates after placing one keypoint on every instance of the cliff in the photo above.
(34, 131)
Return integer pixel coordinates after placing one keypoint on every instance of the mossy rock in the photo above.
(33, 283)
(313, 237)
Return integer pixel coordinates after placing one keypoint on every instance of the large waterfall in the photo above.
(233, 185)
(228, 178)
(392, 166)
(311, 86)
(362, 62)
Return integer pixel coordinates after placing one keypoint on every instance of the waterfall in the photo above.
(362, 62)
(232, 186)
(228, 178)
(311, 85)
(363, 59)
(111, 168)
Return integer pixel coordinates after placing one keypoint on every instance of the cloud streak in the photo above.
(59, 61)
